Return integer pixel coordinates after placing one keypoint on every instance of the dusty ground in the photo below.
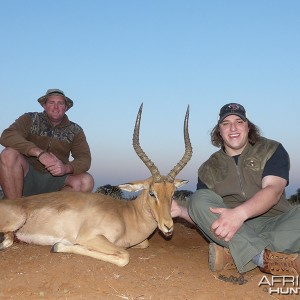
(168, 269)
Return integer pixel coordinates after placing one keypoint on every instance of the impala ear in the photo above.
(133, 186)
(179, 183)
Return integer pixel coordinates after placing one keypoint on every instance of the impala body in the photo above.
(94, 224)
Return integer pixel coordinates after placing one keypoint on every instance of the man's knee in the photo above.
(9, 156)
(11, 159)
(80, 183)
(200, 202)
(87, 183)
(205, 198)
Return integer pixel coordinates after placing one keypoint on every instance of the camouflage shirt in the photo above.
(34, 129)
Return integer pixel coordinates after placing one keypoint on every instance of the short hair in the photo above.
(253, 136)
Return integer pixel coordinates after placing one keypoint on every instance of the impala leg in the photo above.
(144, 244)
(99, 248)
(12, 217)
(6, 240)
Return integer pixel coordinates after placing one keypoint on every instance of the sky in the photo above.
(111, 56)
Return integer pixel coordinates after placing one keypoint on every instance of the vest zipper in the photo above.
(240, 180)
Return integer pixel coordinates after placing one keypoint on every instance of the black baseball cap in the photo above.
(232, 109)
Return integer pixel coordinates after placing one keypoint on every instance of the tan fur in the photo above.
(90, 224)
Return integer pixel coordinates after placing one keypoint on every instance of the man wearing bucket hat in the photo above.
(240, 203)
(37, 149)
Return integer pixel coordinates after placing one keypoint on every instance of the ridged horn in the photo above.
(188, 149)
(139, 151)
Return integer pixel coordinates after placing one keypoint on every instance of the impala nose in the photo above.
(169, 230)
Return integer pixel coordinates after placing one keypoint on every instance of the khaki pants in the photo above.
(280, 233)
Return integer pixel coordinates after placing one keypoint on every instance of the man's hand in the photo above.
(180, 211)
(175, 209)
(228, 223)
(55, 166)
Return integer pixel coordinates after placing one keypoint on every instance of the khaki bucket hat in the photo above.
(43, 99)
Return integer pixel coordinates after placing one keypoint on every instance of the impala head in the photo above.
(159, 190)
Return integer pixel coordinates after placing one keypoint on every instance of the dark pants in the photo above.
(38, 183)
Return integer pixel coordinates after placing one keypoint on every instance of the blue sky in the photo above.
(110, 56)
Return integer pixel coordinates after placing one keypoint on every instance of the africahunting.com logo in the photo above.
(281, 285)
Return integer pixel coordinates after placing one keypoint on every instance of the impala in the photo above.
(94, 224)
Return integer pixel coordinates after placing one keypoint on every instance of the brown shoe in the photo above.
(277, 263)
(220, 258)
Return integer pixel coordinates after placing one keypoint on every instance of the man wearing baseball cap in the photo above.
(37, 149)
(240, 203)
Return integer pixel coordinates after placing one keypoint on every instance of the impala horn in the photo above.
(139, 151)
(188, 149)
(150, 165)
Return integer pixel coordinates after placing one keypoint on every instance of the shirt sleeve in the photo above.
(201, 185)
(278, 164)
(15, 136)
(81, 154)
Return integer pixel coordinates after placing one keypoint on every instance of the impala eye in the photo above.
(151, 194)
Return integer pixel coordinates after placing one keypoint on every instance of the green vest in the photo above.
(236, 183)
